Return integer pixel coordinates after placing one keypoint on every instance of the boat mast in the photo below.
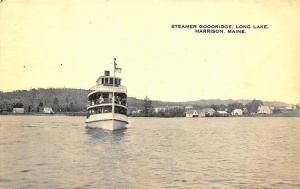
(113, 97)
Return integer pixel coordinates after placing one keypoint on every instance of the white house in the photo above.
(264, 110)
(237, 112)
(201, 113)
(48, 110)
(221, 113)
(290, 108)
(18, 110)
(192, 113)
(209, 112)
(159, 109)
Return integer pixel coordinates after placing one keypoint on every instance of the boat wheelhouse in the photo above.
(107, 103)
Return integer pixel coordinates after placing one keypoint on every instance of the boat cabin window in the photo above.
(107, 109)
(118, 82)
(109, 81)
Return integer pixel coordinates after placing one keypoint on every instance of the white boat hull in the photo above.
(107, 124)
(107, 121)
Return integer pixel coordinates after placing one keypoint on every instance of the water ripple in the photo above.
(59, 152)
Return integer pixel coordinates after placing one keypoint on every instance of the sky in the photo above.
(69, 44)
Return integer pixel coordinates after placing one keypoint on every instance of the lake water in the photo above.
(59, 152)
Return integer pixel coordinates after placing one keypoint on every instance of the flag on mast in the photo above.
(119, 70)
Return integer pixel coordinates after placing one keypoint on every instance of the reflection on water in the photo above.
(106, 136)
(59, 152)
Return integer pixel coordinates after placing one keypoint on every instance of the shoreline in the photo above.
(45, 114)
(81, 114)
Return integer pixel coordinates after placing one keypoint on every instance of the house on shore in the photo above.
(195, 113)
(264, 110)
(192, 113)
(48, 110)
(290, 108)
(222, 114)
(159, 109)
(208, 112)
(136, 111)
(201, 113)
(18, 110)
(237, 112)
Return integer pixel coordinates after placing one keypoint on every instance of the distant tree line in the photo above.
(75, 100)
(147, 110)
(34, 100)
(251, 107)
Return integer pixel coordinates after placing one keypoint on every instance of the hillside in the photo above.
(229, 101)
(65, 99)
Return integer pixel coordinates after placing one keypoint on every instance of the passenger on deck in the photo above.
(101, 99)
(118, 100)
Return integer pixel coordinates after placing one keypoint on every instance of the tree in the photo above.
(18, 105)
(218, 107)
(39, 108)
(56, 104)
(148, 108)
(29, 108)
(253, 106)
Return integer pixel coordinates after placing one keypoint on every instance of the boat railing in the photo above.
(94, 103)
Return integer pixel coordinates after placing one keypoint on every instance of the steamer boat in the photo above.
(107, 103)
